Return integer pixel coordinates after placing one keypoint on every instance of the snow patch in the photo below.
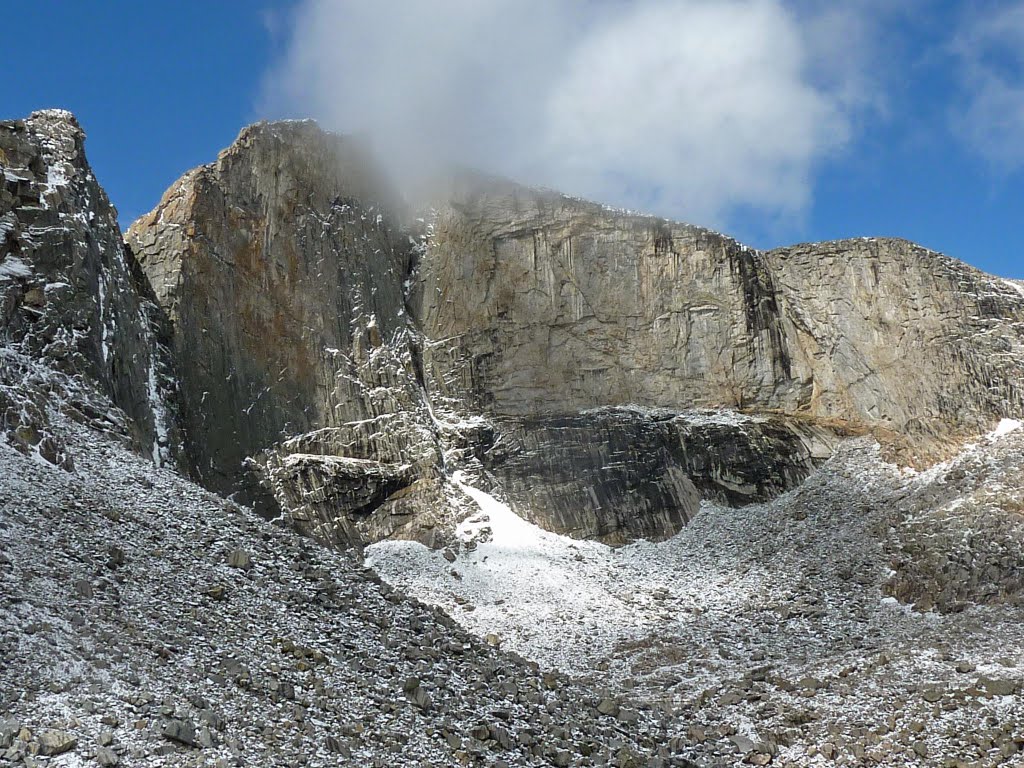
(1005, 427)
(161, 420)
(56, 177)
(1017, 285)
(13, 268)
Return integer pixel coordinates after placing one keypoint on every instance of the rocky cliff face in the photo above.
(579, 307)
(310, 350)
(892, 334)
(618, 474)
(71, 295)
(575, 306)
(551, 348)
(281, 271)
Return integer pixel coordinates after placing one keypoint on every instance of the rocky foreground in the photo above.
(147, 622)
(872, 616)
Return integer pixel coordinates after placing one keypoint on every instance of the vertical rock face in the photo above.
(618, 474)
(282, 275)
(893, 334)
(574, 306)
(553, 349)
(578, 307)
(70, 292)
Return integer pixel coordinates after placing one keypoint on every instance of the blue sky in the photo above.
(865, 122)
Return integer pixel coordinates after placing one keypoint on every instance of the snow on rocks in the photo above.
(13, 268)
(1005, 427)
(770, 631)
(148, 622)
(1017, 285)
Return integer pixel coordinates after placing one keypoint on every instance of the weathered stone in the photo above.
(608, 707)
(932, 695)
(583, 308)
(337, 746)
(616, 474)
(355, 362)
(274, 264)
(998, 686)
(419, 698)
(239, 558)
(106, 757)
(56, 743)
(8, 731)
(83, 588)
(70, 292)
(182, 732)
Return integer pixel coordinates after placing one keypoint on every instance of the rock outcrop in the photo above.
(575, 306)
(889, 333)
(618, 474)
(281, 271)
(353, 361)
(70, 293)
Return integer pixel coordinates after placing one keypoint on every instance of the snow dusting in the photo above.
(750, 615)
(13, 268)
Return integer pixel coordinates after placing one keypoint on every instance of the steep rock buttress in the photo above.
(600, 371)
(71, 294)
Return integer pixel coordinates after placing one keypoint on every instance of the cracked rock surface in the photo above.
(354, 356)
(70, 292)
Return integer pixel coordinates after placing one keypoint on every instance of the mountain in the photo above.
(148, 621)
(71, 294)
(355, 355)
(638, 494)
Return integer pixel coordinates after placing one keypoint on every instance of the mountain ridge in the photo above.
(492, 270)
(292, 297)
(459, 403)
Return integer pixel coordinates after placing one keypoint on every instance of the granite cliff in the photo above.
(281, 329)
(72, 295)
(281, 269)
(575, 306)
(340, 358)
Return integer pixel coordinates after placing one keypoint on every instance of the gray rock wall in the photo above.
(893, 334)
(575, 306)
(552, 305)
(70, 292)
(281, 271)
(353, 362)
(618, 474)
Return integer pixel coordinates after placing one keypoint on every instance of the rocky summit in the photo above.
(341, 357)
(295, 472)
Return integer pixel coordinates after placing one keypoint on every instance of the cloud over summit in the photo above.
(693, 109)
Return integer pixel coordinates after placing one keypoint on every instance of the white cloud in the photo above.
(694, 109)
(990, 115)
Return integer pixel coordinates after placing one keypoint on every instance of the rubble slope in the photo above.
(150, 622)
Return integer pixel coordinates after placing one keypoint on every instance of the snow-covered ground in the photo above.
(146, 622)
(138, 605)
(768, 630)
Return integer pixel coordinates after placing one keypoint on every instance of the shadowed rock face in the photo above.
(70, 292)
(355, 363)
(617, 474)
